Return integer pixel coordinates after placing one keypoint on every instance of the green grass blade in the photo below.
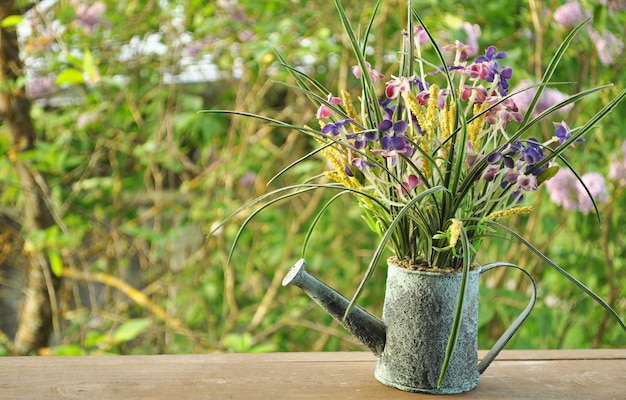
(554, 62)
(245, 223)
(317, 218)
(456, 323)
(383, 242)
(552, 264)
(506, 336)
(591, 123)
(369, 92)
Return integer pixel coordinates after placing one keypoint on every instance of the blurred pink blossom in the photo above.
(39, 86)
(88, 16)
(570, 14)
(617, 170)
(596, 184)
(473, 34)
(609, 47)
(568, 192)
(549, 97)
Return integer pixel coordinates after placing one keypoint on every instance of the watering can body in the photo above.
(411, 339)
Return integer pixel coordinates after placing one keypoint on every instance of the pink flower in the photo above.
(477, 71)
(398, 85)
(527, 182)
(374, 75)
(324, 111)
(419, 35)
(410, 184)
(461, 48)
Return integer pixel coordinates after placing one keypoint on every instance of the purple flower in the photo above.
(563, 132)
(490, 55)
(39, 86)
(392, 146)
(395, 128)
(358, 163)
(461, 49)
(527, 182)
(419, 35)
(608, 45)
(532, 153)
(196, 47)
(248, 179)
(336, 127)
(360, 142)
(487, 68)
(490, 174)
(507, 156)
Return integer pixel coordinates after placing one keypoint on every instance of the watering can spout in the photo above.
(368, 329)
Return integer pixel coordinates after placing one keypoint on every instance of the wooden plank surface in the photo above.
(516, 374)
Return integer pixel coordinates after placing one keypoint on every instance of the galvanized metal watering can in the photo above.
(411, 339)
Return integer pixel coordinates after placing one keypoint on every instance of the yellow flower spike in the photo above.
(432, 112)
(474, 128)
(447, 122)
(417, 110)
(346, 98)
(335, 158)
(430, 124)
(455, 231)
(424, 142)
(512, 211)
(451, 117)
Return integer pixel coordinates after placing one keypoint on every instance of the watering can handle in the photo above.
(506, 336)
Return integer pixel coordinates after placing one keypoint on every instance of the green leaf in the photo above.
(68, 350)
(600, 13)
(11, 21)
(70, 76)
(130, 330)
(547, 174)
(239, 343)
(89, 65)
(56, 264)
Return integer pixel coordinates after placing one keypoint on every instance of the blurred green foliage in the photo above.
(138, 178)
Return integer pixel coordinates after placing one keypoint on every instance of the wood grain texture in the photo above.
(516, 374)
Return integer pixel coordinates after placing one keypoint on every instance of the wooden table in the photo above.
(524, 374)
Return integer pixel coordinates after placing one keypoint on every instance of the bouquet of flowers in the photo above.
(436, 155)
